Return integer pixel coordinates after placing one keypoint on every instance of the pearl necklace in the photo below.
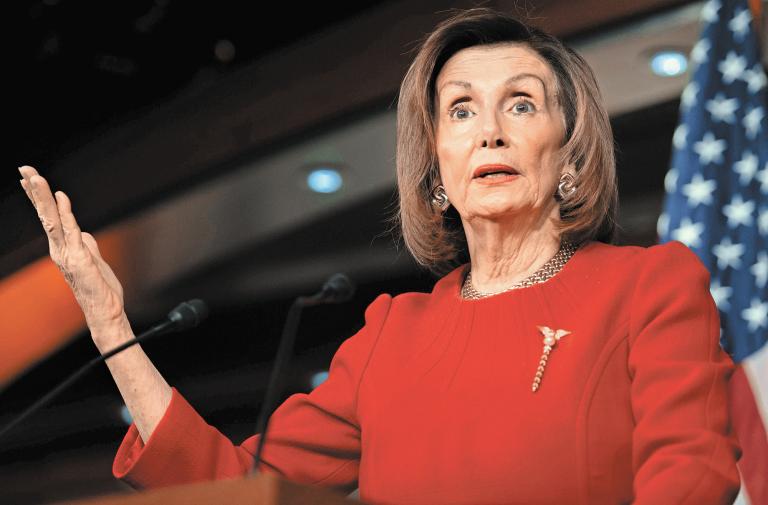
(547, 270)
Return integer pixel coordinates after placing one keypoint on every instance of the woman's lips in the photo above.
(490, 168)
(491, 180)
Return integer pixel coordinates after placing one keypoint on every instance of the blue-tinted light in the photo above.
(125, 415)
(324, 180)
(669, 63)
(318, 379)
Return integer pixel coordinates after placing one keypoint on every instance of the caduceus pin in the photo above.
(551, 337)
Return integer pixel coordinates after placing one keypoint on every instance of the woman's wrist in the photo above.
(113, 334)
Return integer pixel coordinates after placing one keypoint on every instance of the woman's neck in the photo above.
(504, 253)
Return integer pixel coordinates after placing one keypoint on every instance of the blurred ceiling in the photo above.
(187, 128)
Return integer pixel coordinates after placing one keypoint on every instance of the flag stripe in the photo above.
(756, 370)
(750, 430)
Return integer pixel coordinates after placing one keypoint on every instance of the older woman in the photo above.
(550, 368)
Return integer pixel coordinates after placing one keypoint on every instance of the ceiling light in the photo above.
(669, 63)
(125, 415)
(318, 379)
(324, 180)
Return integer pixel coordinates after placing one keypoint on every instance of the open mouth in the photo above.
(494, 172)
(491, 175)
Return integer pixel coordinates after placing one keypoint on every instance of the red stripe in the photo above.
(750, 431)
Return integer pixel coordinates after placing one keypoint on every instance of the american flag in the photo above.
(717, 204)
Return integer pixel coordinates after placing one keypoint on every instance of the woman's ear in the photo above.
(570, 168)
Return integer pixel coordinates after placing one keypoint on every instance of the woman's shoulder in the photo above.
(636, 257)
(389, 302)
(648, 270)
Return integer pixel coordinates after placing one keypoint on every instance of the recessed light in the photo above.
(669, 63)
(318, 379)
(125, 415)
(324, 180)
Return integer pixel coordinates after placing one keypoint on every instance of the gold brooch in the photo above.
(550, 339)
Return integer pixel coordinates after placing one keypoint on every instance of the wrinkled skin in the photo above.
(76, 254)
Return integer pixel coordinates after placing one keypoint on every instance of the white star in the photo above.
(670, 180)
(746, 167)
(739, 24)
(762, 177)
(699, 190)
(721, 294)
(722, 109)
(680, 136)
(760, 269)
(728, 254)
(662, 225)
(732, 67)
(739, 211)
(710, 149)
(689, 233)
(709, 11)
(755, 78)
(688, 98)
(699, 51)
(762, 221)
(756, 315)
(752, 121)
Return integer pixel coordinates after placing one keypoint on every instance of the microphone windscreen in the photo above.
(338, 288)
(188, 314)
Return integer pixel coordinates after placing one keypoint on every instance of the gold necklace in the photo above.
(547, 270)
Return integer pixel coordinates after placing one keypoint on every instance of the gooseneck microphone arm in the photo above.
(186, 315)
(338, 288)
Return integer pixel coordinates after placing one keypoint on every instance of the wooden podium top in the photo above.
(267, 489)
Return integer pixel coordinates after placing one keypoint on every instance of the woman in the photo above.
(551, 368)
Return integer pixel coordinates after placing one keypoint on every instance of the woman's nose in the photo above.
(492, 134)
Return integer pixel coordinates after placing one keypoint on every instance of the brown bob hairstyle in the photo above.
(436, 240)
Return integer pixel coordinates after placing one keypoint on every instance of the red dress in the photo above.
(431, 401)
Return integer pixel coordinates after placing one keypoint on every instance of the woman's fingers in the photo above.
(27, 172)
(48, 212)
(106, 270)
(95, 286)
(28, 190)
(69, 225)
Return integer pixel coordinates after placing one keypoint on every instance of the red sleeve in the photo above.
(684, 451)
(312, 438)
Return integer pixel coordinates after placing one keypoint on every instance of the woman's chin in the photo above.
(496, 210)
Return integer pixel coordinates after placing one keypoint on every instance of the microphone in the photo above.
(338, 288)
(184, 316)
(189, 314)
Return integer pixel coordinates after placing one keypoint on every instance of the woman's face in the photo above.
(496, 105)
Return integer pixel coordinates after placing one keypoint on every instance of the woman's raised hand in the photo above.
(94, 284)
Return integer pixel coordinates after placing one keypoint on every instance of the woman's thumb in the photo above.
(90, 242)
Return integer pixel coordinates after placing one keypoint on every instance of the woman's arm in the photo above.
(144, 391)
(312, 438)
(100, 296)
(684, 450)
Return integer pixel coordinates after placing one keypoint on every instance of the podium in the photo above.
(260, 489)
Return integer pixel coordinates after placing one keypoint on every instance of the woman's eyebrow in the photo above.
(508, 82)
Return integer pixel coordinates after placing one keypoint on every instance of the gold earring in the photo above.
(440, 198)
(566, 188)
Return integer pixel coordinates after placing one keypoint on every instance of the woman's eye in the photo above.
(525, 103)
(454, 113)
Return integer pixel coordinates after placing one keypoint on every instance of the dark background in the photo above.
(79, 71)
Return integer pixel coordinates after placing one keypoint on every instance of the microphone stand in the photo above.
(182, 317)
(337, 288)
